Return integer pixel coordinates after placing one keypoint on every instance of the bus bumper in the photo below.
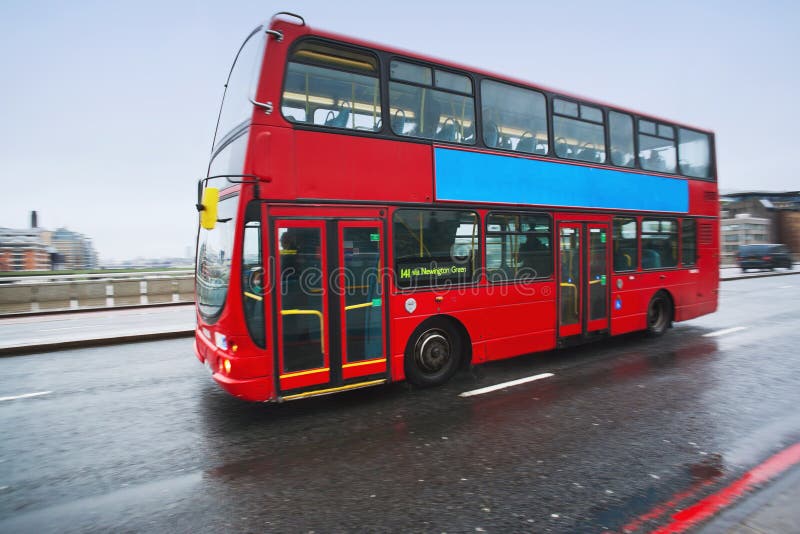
(256, 389)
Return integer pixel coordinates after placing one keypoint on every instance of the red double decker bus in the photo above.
(373, 215)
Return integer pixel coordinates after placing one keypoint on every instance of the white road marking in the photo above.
(25, 396)
(505, 385)
(786, 287)
(726, 331)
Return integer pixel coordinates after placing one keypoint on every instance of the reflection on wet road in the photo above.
(137, 437)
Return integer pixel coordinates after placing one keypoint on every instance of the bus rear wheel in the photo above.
(433, 353)
(659, 314)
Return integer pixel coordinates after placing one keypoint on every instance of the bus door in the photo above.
(583, 290)
(329, 301)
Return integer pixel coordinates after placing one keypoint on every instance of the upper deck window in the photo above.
(694, 152)
(620, 128)
(328, 85)
(656, 146)
(578, 131)
(513, 118)
(431, 103)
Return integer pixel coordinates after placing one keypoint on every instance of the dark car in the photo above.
(763, 257)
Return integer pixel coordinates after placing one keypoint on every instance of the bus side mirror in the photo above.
(208, 208)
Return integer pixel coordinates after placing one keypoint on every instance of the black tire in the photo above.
(659, 314)
(433, 353)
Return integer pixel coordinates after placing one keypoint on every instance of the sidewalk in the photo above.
(773, 509)
(37, 333)
(735, 273)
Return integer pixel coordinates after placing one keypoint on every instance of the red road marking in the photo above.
(715, 502)
(662, 509)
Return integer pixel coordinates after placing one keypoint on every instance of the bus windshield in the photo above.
(214, 251)
(241, 84)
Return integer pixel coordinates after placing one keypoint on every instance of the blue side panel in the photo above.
(474, 177)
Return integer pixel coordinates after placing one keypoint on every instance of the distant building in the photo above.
(742, 230)
(759, 217)
(76, 251)
(24, 250)
(37, 249)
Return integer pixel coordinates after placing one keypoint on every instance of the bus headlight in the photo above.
(220, 341)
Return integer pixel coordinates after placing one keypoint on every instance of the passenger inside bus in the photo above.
(535, 255)
(655, 162)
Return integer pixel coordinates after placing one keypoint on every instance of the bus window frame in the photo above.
(579, 117)
(385, 57)
(486, 234)
(474, 95)
(379, 74)
(477, 276)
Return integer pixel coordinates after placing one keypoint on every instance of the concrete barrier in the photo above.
(185, 288)
(91, 294)
(16, 298)
(54, 296)
(160, 290)
(126, 292)
(67, 293)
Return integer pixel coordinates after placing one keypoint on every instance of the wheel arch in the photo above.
(672, 304)
(457, 327)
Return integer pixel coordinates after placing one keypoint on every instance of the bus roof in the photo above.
(458, 66)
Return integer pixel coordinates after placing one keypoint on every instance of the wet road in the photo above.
(137, 437)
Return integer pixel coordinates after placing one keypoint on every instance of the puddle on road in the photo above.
(642, 512)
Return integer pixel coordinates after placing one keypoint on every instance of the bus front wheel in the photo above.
(659, 314)
(433, 353)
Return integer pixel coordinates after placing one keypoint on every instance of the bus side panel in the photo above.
(519, 319)
(703, 198)
(628, 304)
(501, 321)
(354, 168)
(267, 159)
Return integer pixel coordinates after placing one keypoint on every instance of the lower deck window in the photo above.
(436, 247)
(626, 245)
(518, 247)
(659, 243)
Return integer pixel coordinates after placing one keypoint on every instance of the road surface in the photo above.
(137, 437)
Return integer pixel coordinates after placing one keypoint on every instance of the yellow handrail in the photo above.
(575, 288)
(357, 306)
(321, 322)
(252, 296)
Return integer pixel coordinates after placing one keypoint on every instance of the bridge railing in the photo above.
(82, 292)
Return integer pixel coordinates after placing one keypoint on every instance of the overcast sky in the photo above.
(107, 108)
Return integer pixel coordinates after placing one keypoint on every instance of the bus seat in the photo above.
(651, 259)
(448, 132)
(526, 144)
(625, 259)
(340, 120)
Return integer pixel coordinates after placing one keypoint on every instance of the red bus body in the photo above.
(329, 182)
